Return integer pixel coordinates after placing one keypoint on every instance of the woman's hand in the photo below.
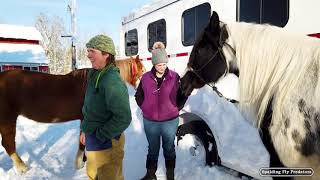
(82, 138)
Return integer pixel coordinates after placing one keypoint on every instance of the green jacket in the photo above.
(106, 108)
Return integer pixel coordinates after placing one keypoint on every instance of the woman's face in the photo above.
(97, 59)
(161, 67)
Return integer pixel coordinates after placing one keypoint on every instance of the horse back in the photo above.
(40, 96)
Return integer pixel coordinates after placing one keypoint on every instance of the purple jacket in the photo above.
(160, 104)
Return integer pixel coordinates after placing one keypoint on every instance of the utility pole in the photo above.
(72, 10)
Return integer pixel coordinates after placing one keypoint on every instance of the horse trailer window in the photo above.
(157, 32)
(131, 42)
(250, 11)
(194, 20)
(275, 12)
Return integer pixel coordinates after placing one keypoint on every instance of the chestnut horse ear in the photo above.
(137, 58)
(214, 24)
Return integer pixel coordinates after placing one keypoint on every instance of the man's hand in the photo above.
(82, 138)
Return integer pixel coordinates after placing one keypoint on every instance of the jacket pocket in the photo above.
(94, 144)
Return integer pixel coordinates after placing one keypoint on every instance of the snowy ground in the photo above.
(49, 149)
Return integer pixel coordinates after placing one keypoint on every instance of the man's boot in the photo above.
(170, 165)
(151, 166)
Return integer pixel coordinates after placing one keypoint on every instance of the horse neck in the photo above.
(125, 70)
(269, 62)
(80, 77)
(252, 79)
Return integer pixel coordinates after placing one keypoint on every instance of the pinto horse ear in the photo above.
(214, 24)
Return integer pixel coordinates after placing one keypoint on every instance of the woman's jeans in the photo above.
(167, 132)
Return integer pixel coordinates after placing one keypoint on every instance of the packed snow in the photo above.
(49, 149)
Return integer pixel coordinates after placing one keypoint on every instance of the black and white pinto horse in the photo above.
(279, 84)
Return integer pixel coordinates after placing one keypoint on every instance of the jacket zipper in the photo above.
(159, 95)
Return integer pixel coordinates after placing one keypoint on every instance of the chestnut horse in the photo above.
(48, 98)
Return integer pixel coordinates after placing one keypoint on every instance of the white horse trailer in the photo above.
(20, 49)
(178, 22)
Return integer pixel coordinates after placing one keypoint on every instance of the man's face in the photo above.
(97, 59)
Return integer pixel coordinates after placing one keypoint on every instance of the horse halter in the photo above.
(220, 52)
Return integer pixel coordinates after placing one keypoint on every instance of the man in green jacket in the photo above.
(106, 112)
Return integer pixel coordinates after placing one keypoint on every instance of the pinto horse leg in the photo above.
(8, 132)
(266, 139)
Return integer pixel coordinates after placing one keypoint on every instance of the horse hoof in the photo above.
(22, 168)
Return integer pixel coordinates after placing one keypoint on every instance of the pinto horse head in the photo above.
(207, 62)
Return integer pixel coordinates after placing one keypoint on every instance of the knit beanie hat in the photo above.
(103, 43)
(159, 54)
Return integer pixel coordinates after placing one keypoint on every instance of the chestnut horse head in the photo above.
(131, 69)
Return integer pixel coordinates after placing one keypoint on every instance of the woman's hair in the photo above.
(111, 59)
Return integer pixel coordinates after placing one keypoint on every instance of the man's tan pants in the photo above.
(106, 164)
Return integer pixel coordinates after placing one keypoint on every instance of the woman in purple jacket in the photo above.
(160, 99)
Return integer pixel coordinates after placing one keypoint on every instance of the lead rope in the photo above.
(215, 89)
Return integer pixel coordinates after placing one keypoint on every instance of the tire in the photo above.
(202, 131)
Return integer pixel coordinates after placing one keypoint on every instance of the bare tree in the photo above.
(82, 54)
(55, 47)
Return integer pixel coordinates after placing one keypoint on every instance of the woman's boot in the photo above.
(170, 165)
(151, 166)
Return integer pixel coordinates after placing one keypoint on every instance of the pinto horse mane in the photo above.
(277, 69)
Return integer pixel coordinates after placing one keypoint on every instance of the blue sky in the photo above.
(93, 16)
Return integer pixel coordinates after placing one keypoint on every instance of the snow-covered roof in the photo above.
(12, 51)
(22, 53)
(19, 32)
(148, 8)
